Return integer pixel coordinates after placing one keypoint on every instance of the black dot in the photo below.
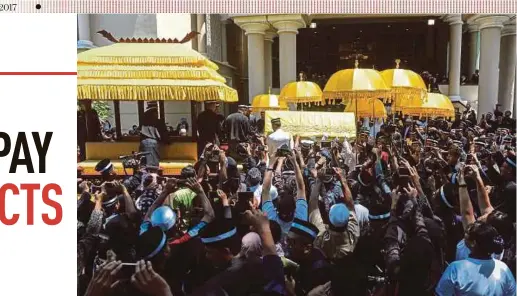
(38, 6)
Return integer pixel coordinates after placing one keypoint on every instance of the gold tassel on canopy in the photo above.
(357, 83)
(405, 85)
(151, 70)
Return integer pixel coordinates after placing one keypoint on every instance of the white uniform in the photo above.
(277, 139)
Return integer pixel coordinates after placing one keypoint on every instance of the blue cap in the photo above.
(338, 215)
(163, 217)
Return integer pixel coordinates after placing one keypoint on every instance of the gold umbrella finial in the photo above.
(397, 63)
(301, 76)
(356, 63)
(269, 90)
(429, 88)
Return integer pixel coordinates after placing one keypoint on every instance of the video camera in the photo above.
(283, 151)
(134, 160)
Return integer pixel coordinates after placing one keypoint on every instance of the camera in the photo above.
(326, 144)
(402, 178)
(483, 154)
(283, 151)
(261, 148)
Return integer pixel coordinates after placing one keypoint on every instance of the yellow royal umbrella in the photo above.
(301, 92)
(436, 105)
(151, 70)
(372, 108)
(405, 85)
(268, 102)
(350, 84)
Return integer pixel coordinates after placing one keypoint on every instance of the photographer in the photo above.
(288, 206)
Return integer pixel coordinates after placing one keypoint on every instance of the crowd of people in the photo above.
(419, 207)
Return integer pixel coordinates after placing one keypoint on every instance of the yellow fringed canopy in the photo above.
(405, 85)
(268, 102)
(301, 92)
(151, 72)
(436, 105)
(372, 108)
(350, 84)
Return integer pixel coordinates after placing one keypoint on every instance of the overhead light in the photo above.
(430, 22)
(313, 25)
(333, 27)
(389, 26)
(407, 29)
(360, 31)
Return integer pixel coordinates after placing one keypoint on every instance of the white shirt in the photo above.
(362, 216)
(476, 277)
(257, 193)
(277, 139)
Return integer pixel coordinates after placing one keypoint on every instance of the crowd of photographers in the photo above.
(419, 208)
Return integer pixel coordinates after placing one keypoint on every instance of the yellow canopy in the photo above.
(405, 85)
(372, 108)
(355, 84)
(436, 105)
(268, 102)
(149, 70)
(301, 92)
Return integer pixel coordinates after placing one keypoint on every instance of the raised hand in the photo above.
(104, 280)
(257, 219)
(194, 185)
(171, 184)
(148, 281)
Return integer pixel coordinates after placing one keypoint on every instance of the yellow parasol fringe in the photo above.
(313, 99)
(147, 60)
(156, 93)
(183, 73)
(332, 96)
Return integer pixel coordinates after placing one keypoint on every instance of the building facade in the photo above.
(257, 52)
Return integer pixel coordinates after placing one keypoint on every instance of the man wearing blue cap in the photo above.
(339, 238)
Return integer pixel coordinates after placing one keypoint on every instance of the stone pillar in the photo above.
(473, 49)
(201, 38)
(514, 112)
(507, 66)
(455, 27)
(255, 29)
(287, 28)
(268, 58)
(224, 45)
(83, 26)
(490, 31)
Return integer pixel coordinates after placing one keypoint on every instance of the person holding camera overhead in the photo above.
(278, 137)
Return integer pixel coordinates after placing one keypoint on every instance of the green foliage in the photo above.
(102, 108)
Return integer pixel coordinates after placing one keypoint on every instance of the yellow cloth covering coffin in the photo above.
(309, 124)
